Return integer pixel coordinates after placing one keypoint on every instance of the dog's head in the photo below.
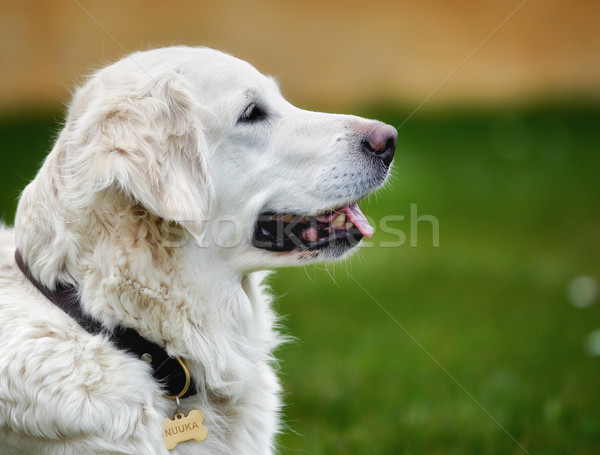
(205, 142)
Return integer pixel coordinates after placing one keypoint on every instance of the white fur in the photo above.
(147, 203)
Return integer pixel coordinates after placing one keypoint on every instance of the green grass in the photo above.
(434, 350)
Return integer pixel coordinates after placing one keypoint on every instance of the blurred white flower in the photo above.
(592, 343)
(582, 291)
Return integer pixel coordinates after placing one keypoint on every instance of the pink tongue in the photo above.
(358, 219)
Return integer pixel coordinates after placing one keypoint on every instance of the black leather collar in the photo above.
(169, 371)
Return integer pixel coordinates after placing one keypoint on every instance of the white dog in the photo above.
(180, 174)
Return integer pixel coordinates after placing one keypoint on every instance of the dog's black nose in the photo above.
(380, 142)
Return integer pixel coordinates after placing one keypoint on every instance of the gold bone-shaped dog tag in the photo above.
(182, 428)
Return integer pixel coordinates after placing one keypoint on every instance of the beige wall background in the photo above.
(327, 54)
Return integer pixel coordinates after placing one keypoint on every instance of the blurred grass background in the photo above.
(486, 344)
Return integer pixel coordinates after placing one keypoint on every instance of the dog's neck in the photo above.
(194, 307)
(135, 269)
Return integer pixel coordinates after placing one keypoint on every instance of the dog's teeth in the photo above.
(325, 218)
(349, 225)
(339, 221)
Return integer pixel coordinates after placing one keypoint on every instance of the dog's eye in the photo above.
(253, 113)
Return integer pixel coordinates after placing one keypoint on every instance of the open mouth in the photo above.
(286, 232)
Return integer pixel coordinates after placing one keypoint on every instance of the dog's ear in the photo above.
(149, 143)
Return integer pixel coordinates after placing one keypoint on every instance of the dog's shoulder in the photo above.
(12, 282)
(59, 381)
